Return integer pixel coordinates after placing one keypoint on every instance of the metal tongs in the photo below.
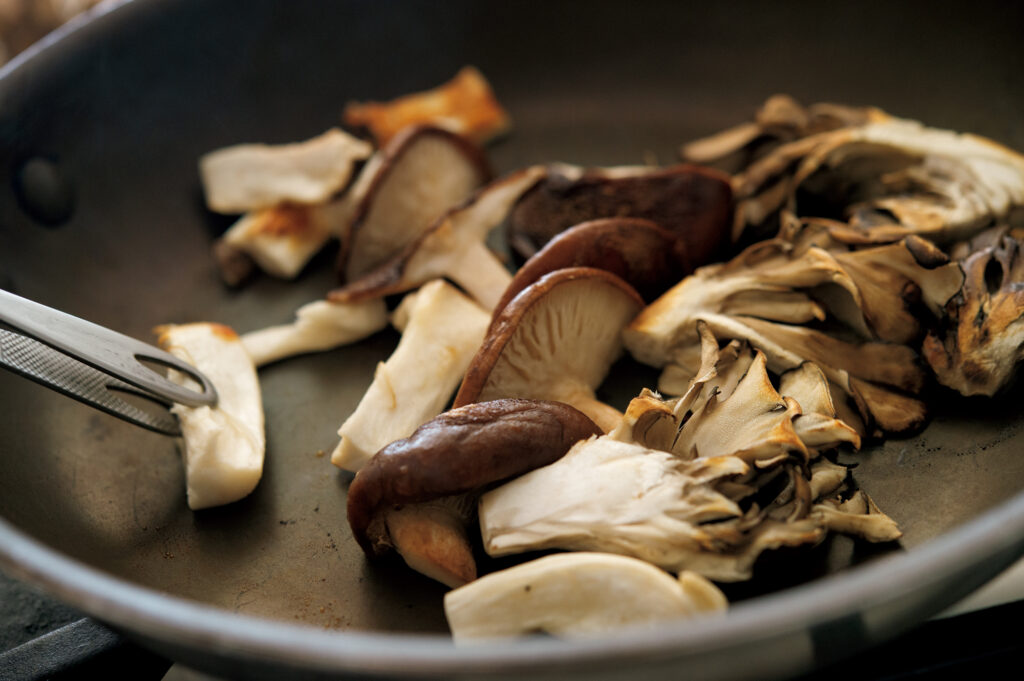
(91, 363)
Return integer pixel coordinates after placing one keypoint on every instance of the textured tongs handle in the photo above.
(86, 361)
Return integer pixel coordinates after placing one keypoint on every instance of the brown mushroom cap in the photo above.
(555, 340)
(459, 451)
(424, 171)
(693, 203)
(647, 256)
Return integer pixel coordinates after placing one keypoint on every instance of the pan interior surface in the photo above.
(123, 107)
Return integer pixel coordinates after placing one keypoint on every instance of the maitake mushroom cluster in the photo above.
(872, 248)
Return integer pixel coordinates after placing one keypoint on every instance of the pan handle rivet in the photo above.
(43, 191)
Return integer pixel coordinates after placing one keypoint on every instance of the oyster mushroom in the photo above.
(393, 502)
(776, 298)
(691, 202)
(223, 445)
(818, 426)
(452, 247)
(620, 497)
(465, 105)
(779, 120)
(886, 179)
(685, 483)
(422, 173)
(982, 342)
(576, 594)
(555, 341)
(252, 176)
(443, 330)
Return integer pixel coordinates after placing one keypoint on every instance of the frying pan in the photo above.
(117, 107)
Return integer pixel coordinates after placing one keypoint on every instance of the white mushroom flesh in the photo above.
(443, 331)
(253, 176)
(223, 445)
(576, 594)
(320, 325)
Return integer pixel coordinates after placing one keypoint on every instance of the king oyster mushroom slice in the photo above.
(443, 330)
(978, 350)
(320, 325)
(555, 341)
(693, 203)
(576, 594)
(465, 105)
(888, 178)
(281, 239)
(423, 172)
(416, 495)
(453, 247)
(223, 445)
(252, 176)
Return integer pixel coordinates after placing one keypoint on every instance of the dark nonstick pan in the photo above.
(101, 216)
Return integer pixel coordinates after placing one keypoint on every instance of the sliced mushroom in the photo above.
(252, 176)
(444, 329)
(453, 247)
(281, 239)
(422, 173)
(576, 594)
(691, 202)
(455, 453)
(223, 445)
(555, 341)
(979, 349)
(320, 325)
(647, 257)
(465, 105)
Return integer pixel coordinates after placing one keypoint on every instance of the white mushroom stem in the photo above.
(320, 325)
(431, 537)
(444, 328)
(223, 445)
(576, 594)
(479, 272)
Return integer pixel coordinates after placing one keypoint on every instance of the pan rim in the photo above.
(965, 550)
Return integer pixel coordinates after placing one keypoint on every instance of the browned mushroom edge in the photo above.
(459, 451)
(388, 278)
(692, 202)
(392, 152)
